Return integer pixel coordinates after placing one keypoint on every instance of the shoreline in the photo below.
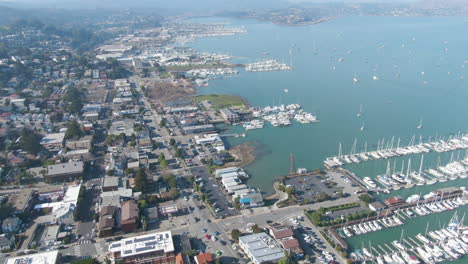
(244, 154)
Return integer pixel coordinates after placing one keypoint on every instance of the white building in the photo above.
(261, 248)
(46, 257)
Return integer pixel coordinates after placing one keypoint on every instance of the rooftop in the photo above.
(129, 210)
(144, 244)
(65, 168)
(110, 181)
(55, 138)
(262, 247)
(20, 200)
(281, 231)
(46, 257)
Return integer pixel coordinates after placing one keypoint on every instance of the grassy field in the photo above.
(220, 101)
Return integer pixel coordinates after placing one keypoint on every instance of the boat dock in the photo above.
(443, 249)
(388, 149)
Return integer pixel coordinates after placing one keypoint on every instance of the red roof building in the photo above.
(281, 231)
(395, 201)
(204, 258)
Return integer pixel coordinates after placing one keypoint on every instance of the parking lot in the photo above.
(215, 193)
(309, 186)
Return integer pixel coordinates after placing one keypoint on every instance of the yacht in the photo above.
(409, 258)
(423, 239)
(369, 182)
(367, 253)
(398, 245)
(425, 256)
(397, 259)
(413, 198)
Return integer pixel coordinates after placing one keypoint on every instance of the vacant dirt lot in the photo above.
(161, 91)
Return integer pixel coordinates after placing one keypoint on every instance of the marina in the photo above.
(392, 148)
(418, 208)
(266, 66)
(279, 116)
(445, 244)
(392, 106)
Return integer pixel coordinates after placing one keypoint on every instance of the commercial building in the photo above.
(110, 183)
(154, 248)
(64, 171)
(53, 142)
(22, 201)
(129, 216)
(82, 143)
(199, 129)
(229, 115)
(251, 199)
(107, 220)
(62, 211)
(46, 257)
(261, 248)
(395, 201)
(377, 206)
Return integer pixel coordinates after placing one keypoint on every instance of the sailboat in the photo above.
(420, 125)
(360, 111)
(362, 127)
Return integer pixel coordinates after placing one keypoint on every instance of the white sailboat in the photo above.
(420, 125)
(360, 111)
(362, 127)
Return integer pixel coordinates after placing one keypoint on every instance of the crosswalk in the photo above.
(76, 250)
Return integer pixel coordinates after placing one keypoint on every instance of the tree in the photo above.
(237, 204)
(144, 223)
(365, 198)
(316, 217)
(172, 142)
(170, 180)
(191, 180)
(6, 210)
(73, 131)
(30, 141)
(256, 229)
(235, 234)
(162, 123)
(289, 191)
(140, 180)
(74, 98)
(178, 152)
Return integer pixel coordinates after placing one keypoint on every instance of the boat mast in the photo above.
(421, 165)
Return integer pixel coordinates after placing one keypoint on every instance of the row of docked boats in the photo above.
(388, 151)
(435, 207)
(268, 65)
(396, 180)
(281, 115)
(370, 226)
(443, 245)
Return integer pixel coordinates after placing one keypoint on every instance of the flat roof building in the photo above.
(150, 248)
(229, 115)
(64, 171)
(198, 129)
(46, 257)
(261, 248)
(53, 141)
